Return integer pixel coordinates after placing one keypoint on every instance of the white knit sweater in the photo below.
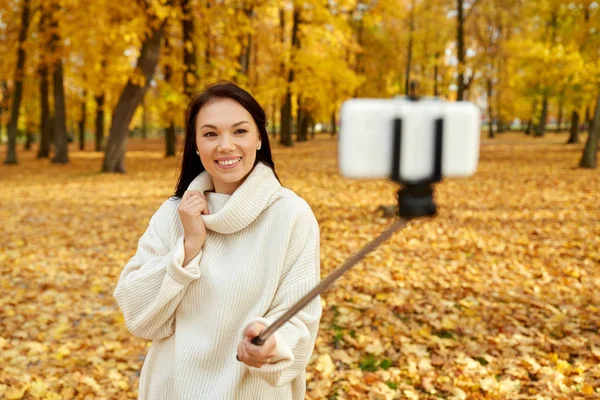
(260, 256)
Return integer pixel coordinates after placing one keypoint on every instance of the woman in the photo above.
(220, 261)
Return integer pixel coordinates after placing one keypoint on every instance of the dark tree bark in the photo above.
(114, 158)
(460, 39)
(246, 45)
(411, 24)
(82, 122)
(436, 74)
(169, 130)
(144, 119)
(46, 122)
(590, 152)
(300, 123)
(333, 124)
(490, 111)
(560, 114)
(208, 35)
(190, 76)
(540, 129)
(3, 93)
(286, 110)
(61, 152)
(587, 122)
(11, 151)
(574, 132)
(61, 141)
(99, 123)
(28, 136)
(274, 121)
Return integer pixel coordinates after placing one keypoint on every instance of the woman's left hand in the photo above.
(252, 355)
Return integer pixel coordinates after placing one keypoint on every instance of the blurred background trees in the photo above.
(98, 72)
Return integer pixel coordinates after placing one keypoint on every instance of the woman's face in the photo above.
(227, 139)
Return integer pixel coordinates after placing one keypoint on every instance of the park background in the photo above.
(497, 297)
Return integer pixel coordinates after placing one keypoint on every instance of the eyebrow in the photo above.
(233, 126)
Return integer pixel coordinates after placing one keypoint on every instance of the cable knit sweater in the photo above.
(260, 256)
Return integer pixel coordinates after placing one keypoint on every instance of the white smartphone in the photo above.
(367, 135)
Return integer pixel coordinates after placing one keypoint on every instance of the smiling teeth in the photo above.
(229, 162)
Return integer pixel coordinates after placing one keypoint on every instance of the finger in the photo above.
(257, 353)
(192, 194)
(194, 202)
(253, 330)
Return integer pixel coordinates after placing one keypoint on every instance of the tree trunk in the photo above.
(560, 114)
(82, 122)
(460, 39)
(299, 115)
(301, 126)
(114, 157)
(99, 122)
(527, 129)
(489, 108)
(144, 119)
(28, 133)
(169, 130)
(28, 139)
(3, 94)
(208, 36)
(574, 132)
(46, 121)
(333, 124)
(274, 120)
(11, 151)
(587, 122)
(45, 117)
(190, 75)
(435, 75)
(286, 110)
(411, 24)
(590, 153)
(541, 127)
(246, 46)
(61, 152)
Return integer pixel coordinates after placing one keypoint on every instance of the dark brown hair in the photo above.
(191, 166)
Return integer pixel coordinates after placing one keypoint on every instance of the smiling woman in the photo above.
(227, 143)
(222, 259)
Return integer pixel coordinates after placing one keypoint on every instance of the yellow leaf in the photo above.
(448, 324)
(16, 393)
(38, 389)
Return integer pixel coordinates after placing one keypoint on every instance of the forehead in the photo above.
(222, 112)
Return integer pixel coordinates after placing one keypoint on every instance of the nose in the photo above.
(226, 144)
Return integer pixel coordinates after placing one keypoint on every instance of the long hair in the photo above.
(191, 166)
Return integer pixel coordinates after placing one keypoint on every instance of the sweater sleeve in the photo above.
(295, 339)
(154, 281)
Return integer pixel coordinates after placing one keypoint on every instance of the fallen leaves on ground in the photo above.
(498, 297)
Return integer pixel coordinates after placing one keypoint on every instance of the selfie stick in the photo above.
(415, 199)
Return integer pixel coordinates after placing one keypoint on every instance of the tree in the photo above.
(286, 110)
(61, 155)
(133, 93)
(590, 153)
(46, 122)
(11, 154)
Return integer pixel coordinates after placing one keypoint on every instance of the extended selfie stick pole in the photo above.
(415, 199)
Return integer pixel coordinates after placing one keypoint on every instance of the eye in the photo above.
(241, 131)
(207, 134)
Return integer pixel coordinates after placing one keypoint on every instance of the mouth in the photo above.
(228, 164)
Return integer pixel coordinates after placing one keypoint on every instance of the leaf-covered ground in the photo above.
(497, 297)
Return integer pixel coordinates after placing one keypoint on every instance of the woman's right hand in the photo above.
(193, 204)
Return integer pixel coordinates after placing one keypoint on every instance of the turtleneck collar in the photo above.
(255, 194)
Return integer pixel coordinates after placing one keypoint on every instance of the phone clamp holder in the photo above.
(415, 198)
